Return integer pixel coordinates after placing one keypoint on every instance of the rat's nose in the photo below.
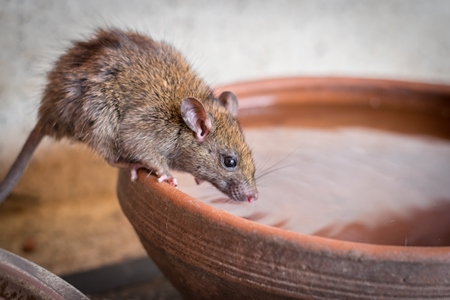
(252, 198)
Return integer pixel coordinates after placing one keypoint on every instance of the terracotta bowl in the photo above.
(208, 253)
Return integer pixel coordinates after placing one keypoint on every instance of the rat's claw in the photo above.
(134, 175)
(173, 182)
(169, 179)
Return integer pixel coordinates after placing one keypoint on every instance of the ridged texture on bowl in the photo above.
(209, 254)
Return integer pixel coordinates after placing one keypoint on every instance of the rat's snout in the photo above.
(242, 194)
(252, 198)
(249, 191)
(248, 194)
(238, 191)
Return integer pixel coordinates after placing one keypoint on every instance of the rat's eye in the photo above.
(229, 162)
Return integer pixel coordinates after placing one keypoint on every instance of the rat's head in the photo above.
(217, 149)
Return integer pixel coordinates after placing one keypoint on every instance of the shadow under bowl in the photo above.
(208, 253)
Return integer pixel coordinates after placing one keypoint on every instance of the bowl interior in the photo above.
(350, 160)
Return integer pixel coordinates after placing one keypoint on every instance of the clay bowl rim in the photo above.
(248, 93)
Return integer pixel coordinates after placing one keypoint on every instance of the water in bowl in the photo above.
(352, 183)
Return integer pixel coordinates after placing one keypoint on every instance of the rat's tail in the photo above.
(20, 164)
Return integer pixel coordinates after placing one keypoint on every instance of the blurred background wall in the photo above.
(226, 41)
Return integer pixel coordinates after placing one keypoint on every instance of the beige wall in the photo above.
(227, 41)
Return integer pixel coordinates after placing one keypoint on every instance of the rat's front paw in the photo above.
(169, 179)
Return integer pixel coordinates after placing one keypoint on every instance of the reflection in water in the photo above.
(350, 183)
(419, 227)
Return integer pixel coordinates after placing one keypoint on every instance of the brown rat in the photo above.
(137, 103)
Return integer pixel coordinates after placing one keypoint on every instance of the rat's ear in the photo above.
(230, 101)
(196, 118)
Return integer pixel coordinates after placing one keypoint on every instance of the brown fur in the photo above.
(120, 93)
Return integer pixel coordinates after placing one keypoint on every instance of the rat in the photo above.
(138, 104)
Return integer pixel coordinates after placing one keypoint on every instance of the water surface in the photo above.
(351, 183)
